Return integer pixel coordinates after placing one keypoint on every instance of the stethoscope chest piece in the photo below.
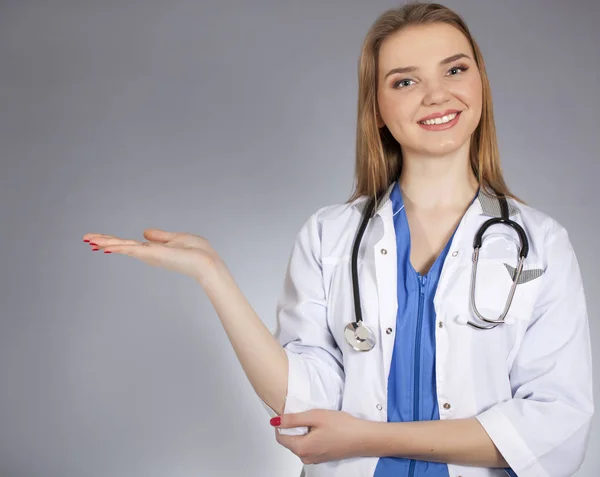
(359, 336)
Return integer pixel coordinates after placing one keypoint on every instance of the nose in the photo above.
(435, 93)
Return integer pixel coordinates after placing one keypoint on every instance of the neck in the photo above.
(437, 183)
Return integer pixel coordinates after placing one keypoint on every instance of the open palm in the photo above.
(177, 251)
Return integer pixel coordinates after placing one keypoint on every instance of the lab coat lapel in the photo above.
(386, 271)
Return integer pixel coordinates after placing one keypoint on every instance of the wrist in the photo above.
(212, 275)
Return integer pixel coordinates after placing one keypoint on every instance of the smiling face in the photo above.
(429, 70)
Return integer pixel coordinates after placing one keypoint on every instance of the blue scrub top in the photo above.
(412, 393)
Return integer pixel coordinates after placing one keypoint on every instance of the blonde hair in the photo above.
(378, 154)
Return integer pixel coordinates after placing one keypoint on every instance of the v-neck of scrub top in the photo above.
(412, 394)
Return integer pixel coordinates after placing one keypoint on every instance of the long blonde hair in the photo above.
(378, 154)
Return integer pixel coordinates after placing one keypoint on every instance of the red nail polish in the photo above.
(276, 421)
(92, 243)
(86, 240)
(94, 249)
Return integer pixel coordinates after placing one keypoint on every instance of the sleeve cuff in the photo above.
(298, 399)
(510, 444)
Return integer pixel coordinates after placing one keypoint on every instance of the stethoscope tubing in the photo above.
(362, 338)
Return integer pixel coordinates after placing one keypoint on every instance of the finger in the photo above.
(106, 242)
(133, 249)
(91, 236)
(289, 442)
(177, 239)
(95, 237)
(158, 255)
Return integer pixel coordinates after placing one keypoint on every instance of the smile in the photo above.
(442, 120)
(438, 124)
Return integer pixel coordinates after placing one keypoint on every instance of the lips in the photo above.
(439, 124)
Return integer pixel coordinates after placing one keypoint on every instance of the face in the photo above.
(429, 70)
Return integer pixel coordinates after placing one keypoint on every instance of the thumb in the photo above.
(159, 235)
(298, 419)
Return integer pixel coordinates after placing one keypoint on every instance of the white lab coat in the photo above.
(528, 382)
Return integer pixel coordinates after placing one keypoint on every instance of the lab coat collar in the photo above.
(485, 204)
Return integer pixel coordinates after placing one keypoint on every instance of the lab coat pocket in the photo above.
(493, 283)
(487, 353)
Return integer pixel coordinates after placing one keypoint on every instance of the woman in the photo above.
(436, 395)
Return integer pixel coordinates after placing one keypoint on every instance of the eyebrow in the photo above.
(408, 69)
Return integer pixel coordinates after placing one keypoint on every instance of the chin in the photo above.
(434, 143)
(441, 149)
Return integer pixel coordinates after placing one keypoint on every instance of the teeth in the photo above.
(442, 120)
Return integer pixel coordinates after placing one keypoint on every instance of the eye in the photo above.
(458, 69)
(401, 83)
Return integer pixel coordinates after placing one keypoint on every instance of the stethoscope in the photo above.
(362, 338)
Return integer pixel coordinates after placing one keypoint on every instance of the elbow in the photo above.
(567, 458)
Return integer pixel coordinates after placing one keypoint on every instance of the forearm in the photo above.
(455, 441)
(262, 358)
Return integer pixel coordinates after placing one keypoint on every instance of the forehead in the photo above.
(419, 45)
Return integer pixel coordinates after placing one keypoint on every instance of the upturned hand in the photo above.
(180, 252)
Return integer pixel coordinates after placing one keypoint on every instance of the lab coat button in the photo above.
(383, 251)
(440, 324)
(389, 331)
(379, 406)
(455, 253)
(447, 406)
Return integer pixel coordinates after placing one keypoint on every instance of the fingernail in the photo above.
(92, 243)
(106, 251)
(276, 421)
(86, 240)
(94, 249)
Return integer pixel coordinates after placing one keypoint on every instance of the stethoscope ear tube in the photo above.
(361, 231)
(524, 251)
(357, 334)
(478, 240)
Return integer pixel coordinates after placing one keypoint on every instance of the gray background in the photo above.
(233, 120)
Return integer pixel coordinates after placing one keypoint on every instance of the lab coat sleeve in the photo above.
(315, 372)
(543, 431)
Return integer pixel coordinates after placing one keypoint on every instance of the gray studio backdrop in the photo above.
(234, 120)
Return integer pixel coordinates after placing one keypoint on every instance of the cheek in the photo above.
(396, 111)
(470, 93)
